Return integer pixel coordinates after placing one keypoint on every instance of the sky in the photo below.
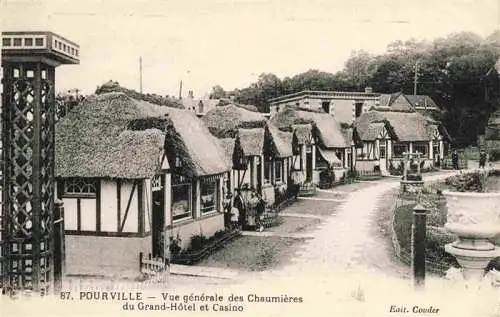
(231, 42)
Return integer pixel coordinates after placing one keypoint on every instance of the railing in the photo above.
(155, 268)
(447, 163)
(368, 175)
(307, 189)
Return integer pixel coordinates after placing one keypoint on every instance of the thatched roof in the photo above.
(281, 141)
(190, 139)
(327, 128)
(249, 107)
(114, 136)
(94, 140)
(224, 121)
(113, 86)
(407, 126)
(347, 132)
(303, 133)
(288, 117)
(371, 132)
(325, 125)
(227, 145)
(252, 141)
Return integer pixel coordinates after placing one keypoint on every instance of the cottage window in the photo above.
(209, 196)
(181, 201)
(382, 150)
(267, 171)
(398, 149)
(278, 175)
(157, 183)
(421, 147)
(80, 187)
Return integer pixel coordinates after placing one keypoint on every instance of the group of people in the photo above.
(234, 213)
(483, 157)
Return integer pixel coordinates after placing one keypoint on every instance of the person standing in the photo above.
(261, 208)
(454, 159)
(235, 219)
(227, 210)
(482, 159)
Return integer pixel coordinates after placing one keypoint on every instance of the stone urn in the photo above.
(474, 218)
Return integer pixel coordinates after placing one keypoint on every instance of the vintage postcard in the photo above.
(250, 158)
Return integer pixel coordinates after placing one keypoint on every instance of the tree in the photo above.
(358, 68)
(218, 92)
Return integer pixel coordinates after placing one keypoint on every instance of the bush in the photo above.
(436, 238)
(494, 155)
(351, 174)
(326, 178)
(470, 182)
(396, 170)
(197, 242)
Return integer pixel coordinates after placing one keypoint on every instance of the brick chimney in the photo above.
(368, 90)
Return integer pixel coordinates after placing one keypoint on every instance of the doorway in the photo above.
(158, 218)
(358, 109)
(383, 156)
(309, 166)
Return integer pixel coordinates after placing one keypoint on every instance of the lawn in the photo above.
(251, 253)
(295, 225)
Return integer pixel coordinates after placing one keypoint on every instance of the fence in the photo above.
(307, 189)
(447, 163)
(368, 175)
(155, 268)
(404, 255)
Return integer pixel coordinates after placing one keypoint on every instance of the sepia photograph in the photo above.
(250, 158)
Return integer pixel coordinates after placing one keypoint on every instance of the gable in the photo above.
(436, 135)
(401, 104)
(384, 134)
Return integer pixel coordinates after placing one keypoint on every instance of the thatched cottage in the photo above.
(261, 155)
(320, 138)
(131, 173)
(383, 135)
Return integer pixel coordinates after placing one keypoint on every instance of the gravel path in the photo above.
(351, 238)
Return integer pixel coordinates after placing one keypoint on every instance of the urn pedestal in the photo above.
(474, 218)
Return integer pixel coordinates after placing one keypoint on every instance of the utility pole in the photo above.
(180, 90)
(415, 79)
(140, 74)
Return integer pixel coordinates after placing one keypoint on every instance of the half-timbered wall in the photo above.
(366, 152)
(106, 207)
(102, 237)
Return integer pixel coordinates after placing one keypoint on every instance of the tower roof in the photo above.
(30, 46)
